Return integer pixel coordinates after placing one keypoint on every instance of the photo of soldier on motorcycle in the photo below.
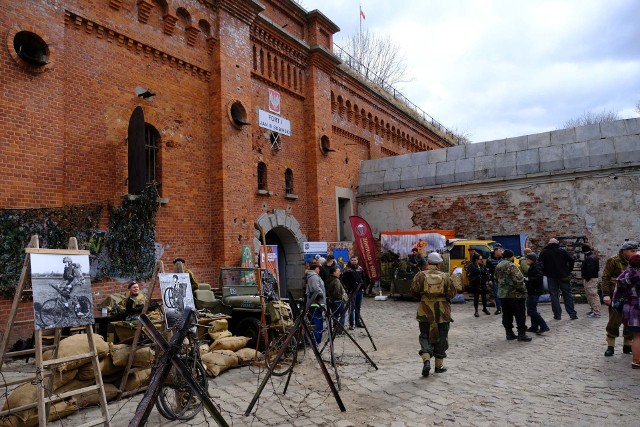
(61, 291)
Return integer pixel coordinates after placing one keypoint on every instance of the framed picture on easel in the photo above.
(61, 288)
(176, 296)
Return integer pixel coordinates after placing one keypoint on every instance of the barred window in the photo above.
(151, 153)
(288, 181)
(262, 176)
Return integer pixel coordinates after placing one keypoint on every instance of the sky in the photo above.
(493, 69)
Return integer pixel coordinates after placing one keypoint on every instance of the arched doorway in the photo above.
(283, 231)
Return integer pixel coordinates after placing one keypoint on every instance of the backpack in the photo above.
(434, 284)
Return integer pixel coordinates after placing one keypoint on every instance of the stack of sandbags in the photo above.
(25, 394)
(218, 361)
(219, 329)
(78, 374)
(225, 353)
(67, 376)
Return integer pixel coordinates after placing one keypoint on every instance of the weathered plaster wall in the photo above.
(596, 194)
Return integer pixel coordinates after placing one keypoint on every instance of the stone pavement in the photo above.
(561, 378)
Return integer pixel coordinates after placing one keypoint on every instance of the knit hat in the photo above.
(553, 241)
(527, 251)
(508, 254)
(586, 248)
(629, 245)
(634, 261)
(532, 256)
(497, 246)
(434, 258)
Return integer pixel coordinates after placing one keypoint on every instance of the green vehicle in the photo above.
(241, 300)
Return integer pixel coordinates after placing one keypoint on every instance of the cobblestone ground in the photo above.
(559, 379)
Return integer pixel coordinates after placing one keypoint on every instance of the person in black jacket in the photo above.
(354, 279)
(557, 265)
(535, 288)
(477, 275)
(590, 269)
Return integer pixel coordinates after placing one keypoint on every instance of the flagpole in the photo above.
(360, 16)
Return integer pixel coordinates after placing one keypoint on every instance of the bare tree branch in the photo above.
(375, 57)
(638, 107)
(591, 118)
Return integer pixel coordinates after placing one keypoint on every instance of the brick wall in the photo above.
(63, 128)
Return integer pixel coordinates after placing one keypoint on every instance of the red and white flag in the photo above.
(362, 13)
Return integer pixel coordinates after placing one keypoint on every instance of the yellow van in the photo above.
(459, 254)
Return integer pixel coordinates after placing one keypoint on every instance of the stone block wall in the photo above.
(583, 181)
(594, 147)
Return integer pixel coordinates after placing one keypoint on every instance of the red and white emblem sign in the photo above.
(274, 101)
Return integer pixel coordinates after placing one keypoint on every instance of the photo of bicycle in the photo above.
(61, 291)
(176, 296)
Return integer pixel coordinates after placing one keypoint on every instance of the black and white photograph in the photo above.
(61, 290)
(176, 296)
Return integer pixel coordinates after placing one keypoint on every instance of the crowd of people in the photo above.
(516, 288)
(339, 292)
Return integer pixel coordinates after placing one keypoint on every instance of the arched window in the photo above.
(144, 162)
(262, 176)
(288, 181)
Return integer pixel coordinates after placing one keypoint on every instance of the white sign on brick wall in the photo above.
(274, 122)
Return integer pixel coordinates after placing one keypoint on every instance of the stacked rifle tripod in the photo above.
(301, 325)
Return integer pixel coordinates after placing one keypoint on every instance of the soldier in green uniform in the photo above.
(435, 289)
(513, 294)
(612, 269)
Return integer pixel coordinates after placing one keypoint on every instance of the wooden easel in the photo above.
(157, 269)
(43, 402)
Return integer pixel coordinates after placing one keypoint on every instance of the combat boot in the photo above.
(524, 337)
(510, 335)
(426, 368)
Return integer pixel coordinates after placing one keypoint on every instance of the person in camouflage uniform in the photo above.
(612, 269)
(513, 294)
(435, 289)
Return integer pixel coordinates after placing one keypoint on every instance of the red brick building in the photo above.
(73, 72)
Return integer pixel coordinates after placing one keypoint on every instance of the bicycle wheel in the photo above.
(168, 298)
(85, 308)
(50, 313)
(176, 399)
(288, 359)
(301, 346)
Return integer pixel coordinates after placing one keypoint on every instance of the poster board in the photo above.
(176, 296)
(61, 289)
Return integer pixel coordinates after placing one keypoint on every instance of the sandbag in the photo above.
(91, 398)
(62, 378)
(73, 385)
(229, 343)
(247, 355)
(79, 344)
(218, 361)
(58, 410)
(137, 379)
(107, 368)
(144, 357)
(219, 325)
(22, 395)
(119, 354)
(203, 349)
(220, 334)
